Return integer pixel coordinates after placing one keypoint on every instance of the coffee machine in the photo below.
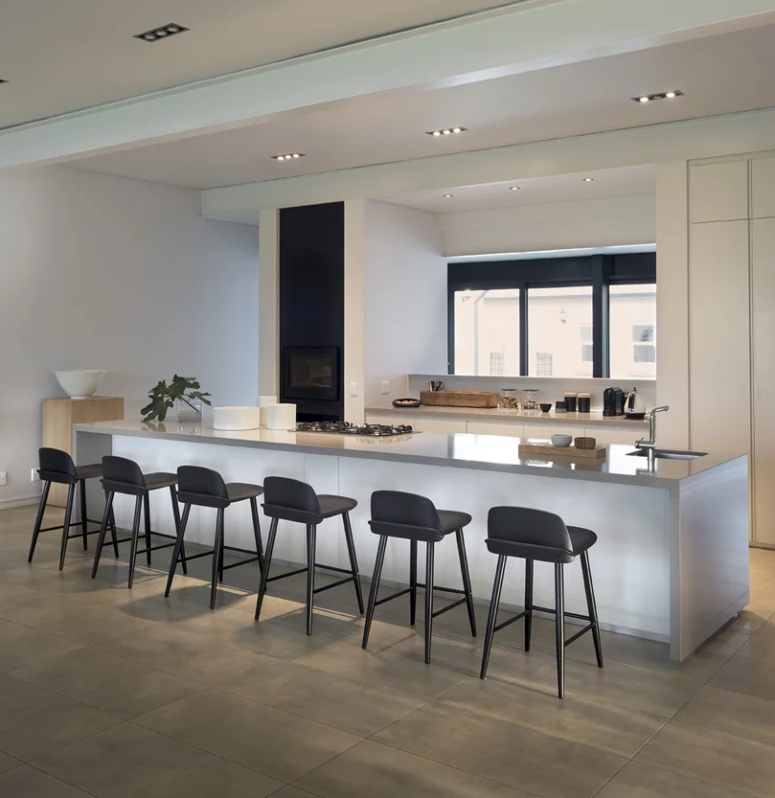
(613, 402)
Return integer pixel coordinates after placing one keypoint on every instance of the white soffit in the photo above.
(535, 35)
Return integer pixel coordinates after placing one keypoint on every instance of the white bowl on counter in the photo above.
(236, 418)
(562, 441)
(80, 383)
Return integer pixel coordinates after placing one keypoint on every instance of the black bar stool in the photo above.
(57, 466)
(415, 518)
(203, 487)
(120, 475)
(538, 535)
(291, 500)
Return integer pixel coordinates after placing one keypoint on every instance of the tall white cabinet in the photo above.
(732, 321)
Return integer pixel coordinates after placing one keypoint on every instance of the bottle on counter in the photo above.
(584, 403)
(570, 402)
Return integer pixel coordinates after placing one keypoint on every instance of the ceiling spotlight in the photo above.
(164, 32)
(3, 81)
(589, 179)
(448, 196)
(514, 188)
(662, 95)
(446, 131)
(290, 156)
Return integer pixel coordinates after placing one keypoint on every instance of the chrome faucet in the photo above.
(651, 444)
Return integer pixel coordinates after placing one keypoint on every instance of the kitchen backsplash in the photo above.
(552, 388)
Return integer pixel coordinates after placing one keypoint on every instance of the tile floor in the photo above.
(114, 693)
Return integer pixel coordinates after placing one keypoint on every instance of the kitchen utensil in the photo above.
(406, 402)
(561, 441)
(545, 407)
(585, 443)
(509, 399)
(570, 402)
(635, 404)
(584, 403)
(434, 385)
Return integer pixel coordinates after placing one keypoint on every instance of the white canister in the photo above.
(236, 418)
(262, 402)
(280, 416)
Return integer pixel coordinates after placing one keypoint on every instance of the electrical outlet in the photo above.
(353, 389)
(385, 386)
(34, 476)
(3, 478)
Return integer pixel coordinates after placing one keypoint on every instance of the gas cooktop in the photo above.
(346, 428)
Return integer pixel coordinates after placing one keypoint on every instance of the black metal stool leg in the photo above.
(429, 558)
(113, 532)
(257, 532)
(492, 616)
(374, 589)
(412, 582)
(220, 553)
(66, 527)
(217, 553)
(147, 513)
(177, 550)
(461, 550)
(267, 562)
(84, 515)
(106, 518)
(39, 519)
(135, 538)
(348, 534)
(311, 541)
(559, 597)
(592, 607)
(176, 516)
(528, 602)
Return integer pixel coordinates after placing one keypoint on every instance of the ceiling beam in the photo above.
(712, 137)
(532, 35)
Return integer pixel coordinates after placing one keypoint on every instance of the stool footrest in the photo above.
(285, 576)
(510, 621)
(197, 556)
(334, 584)
(333, 568)
(394, 596)
(587, 628)
(240, 562)
(567, 614)
(444, 589)
(449, 607)
(72, 524)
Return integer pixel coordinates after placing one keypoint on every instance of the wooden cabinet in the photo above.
(59, 416)
(718, 192)
(763, 188)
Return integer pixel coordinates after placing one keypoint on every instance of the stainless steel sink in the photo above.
(668, 454)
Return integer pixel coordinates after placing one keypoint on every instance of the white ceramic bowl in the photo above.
(235, 418)
(80, 383)
(562, 441)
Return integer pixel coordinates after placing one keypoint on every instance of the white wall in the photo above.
(405, 298)
(559, 225)
(104, 272)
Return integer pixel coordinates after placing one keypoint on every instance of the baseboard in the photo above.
(23, 501)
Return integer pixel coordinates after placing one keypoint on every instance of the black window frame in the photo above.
(598, 271)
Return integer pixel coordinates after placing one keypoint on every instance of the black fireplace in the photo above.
(311, 374)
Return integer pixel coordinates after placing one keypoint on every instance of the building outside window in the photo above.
(633, 316)
(543, 364)
(487, 324)
(497, 364)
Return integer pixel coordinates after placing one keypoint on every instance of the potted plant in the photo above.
(182, 393)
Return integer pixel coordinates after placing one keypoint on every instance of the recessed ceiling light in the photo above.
(164, 32)
(589, 179)
(3, 81)
(448, 196)
(290, 156)
(662, 95)
(446, 131)
(514, 188)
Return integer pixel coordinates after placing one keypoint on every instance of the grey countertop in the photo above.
(478, 452)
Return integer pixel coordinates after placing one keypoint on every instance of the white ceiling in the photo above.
(60, 56)
(722, 74)
(535, 191)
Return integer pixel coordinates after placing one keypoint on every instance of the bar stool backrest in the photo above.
(57, 466)
(405, 515)
(121, 475)
(291, 500)
(202, 487)
(529, 534)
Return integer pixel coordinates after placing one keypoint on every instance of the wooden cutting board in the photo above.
(549, 450)
(459, 398)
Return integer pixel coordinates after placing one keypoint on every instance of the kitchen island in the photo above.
(671, 562)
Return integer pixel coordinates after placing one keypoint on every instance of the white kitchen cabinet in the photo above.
(627, 437)
(763, 328)
(718, 192)
(390, 419)
(762, 188)
(492, 428)
(446, 426)
(545, 431)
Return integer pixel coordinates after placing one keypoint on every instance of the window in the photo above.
(633, 315)
(487, 332)
(558, 318)
(543, 364)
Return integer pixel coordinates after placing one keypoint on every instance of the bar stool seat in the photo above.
(581, 540)
(452, 520)
(91, 471)
(239, 491)
(331, 506)
(160, 479)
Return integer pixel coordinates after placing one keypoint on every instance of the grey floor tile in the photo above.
(34, 721)
(608, 727)
(7, 762)
(503, 752)
(644, 781)
(747, 676)
(129, 761)
(383, 772)
(21, 645)
(655, 693)
(265, 739)
(113, 684)
(184, 654)
(292, 792)
(707, 755)
(328, 698)
(733, 713)
(27, 782)
(760, 648)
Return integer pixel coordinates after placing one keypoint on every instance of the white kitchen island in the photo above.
(671, 562)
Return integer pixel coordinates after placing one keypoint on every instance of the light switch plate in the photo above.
(353, 389)
(3, 478)
(385, 386)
